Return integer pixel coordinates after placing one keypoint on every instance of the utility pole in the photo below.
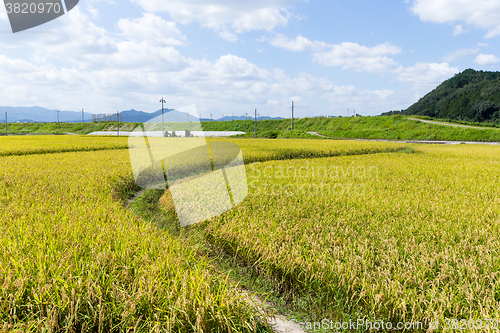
(6, 128)
(118, 122)
(58, 116)
(210, 117)
(162, 101)
(292, 114)
(83, 117)
(255, 123)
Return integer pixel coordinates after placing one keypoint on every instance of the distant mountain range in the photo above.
(43, 115)
(230, 118)
(36, 113)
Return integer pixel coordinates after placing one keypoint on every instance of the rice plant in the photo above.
(399, 237)
(73, 259)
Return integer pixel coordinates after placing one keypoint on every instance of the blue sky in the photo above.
(235, 56)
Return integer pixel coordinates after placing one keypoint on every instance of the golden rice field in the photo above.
(45, 144)
(74, 259)
(259, 150)
(342, 229)
(395, 237)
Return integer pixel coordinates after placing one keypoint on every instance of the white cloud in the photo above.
(86, 66)
(348, 93)
(92, 10)
(298, 44)
(228, 84)
(425, 76)
(153, 29)
(142, 45)
(220, 15)
(455, 55)
(483, 14)
(146, 57)
(486, 59)
(261, 19)
(230, 66)
(459, 30)
(77, 39)
(359, 58)
(228, 36)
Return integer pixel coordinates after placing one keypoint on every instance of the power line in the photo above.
(256, 123)
(162, 121)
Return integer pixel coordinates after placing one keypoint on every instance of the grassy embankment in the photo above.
(386, 128)
(56, 128)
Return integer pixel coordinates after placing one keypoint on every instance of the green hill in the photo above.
(468, 96)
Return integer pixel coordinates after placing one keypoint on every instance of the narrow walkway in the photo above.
(278, 323)
(435, 142)
(451, 124)
(316, 133)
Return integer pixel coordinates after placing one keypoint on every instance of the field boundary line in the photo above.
(59, 151)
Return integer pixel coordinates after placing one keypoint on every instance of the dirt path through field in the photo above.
(316, 133)
(279, 323)
(450, 124)
(418, 141)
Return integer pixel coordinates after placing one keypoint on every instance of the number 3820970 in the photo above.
(33, 8)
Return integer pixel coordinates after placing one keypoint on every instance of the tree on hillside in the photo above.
(483, 111)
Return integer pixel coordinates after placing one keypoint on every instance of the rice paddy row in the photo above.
(48, 144)
(74, 259)
(394, 237)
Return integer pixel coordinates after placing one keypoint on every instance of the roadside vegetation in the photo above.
(395, 127)
(56, 128)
